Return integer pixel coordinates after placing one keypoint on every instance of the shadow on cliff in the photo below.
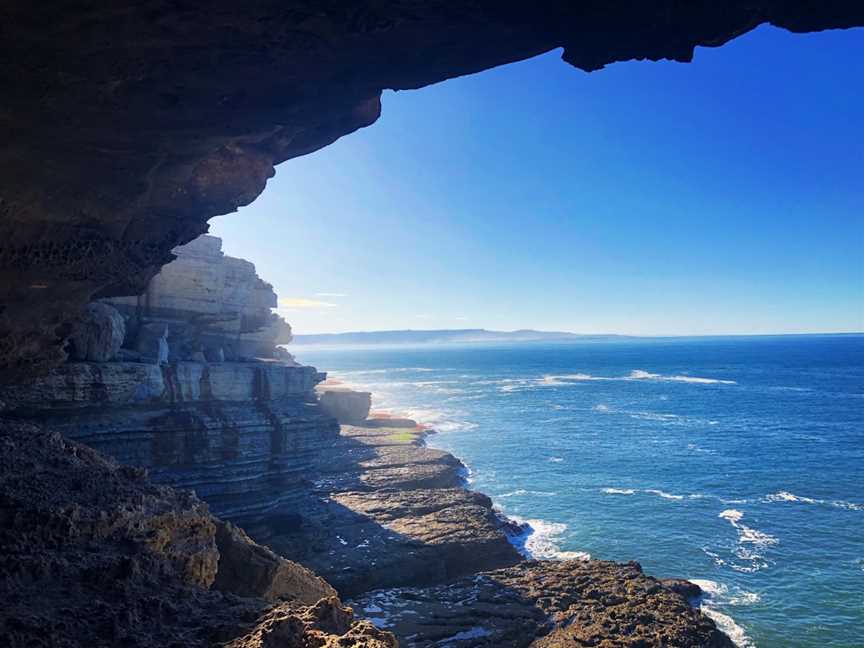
(388, 513)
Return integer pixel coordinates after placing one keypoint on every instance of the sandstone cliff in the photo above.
(177, 400)
(96, 554)
(207, 305)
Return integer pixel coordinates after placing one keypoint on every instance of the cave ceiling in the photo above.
(125, 126)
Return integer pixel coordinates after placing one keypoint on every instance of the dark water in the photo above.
(738, 462)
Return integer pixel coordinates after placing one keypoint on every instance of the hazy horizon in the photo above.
(718, 197)
(575, 333)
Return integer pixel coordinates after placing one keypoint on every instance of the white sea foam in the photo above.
(521, 491)
(745, 533)
(732, 515)
(727, 624)
(654, 416)
(750, 543)
(709, 586)
(541, 538)
(476, 632)
(619, 491)
(786, 496)
(436, 419)
(509, 385)
(744, 598)
(717, 594)
(664, 494)
(852, 506)
(556, 459)
(638, 374)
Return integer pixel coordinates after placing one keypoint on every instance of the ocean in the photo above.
(735, 462)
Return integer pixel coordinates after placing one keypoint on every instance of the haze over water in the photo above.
(735, 462)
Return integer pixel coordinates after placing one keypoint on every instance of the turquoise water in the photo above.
(737, 462)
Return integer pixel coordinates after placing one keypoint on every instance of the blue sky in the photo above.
(723, 196)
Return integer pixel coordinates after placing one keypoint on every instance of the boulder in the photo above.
(346, 405)
(98, 335)
(249, 569)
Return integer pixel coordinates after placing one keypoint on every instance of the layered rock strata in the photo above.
(165, 382)
(91, 554)
(366, 505)
(385, 510)
(206, 306)
(245, 436)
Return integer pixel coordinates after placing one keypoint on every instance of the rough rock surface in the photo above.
(244, 436)
(98, 334)
(546, 604)
(385, 510)
(91, 554)
(208, 304)
(249, 569)
(127, 125)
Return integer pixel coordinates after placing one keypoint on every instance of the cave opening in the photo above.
(603, 186)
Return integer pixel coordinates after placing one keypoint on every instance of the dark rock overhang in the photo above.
(125, 126)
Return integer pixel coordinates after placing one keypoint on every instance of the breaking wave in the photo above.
(786, 496)
(715, 594)
(539, 540)
(637, 374)
(619, 491)
(750, 543)
(664, 495)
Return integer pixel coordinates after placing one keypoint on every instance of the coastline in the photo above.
(404, 610)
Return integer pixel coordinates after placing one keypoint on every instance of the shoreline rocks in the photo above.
(545, 604)
(310, 507)
(92, 554)
(386, 510)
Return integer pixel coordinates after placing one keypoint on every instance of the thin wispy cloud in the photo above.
(301, 303)
(334, 295)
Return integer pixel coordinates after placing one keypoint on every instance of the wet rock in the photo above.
(545, 604)
(98, 334)
(683, 587)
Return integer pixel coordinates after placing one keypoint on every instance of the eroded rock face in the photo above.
(98, 334)
(126, 126)
(208, 306)
(245, 436)
(546, 604)
(248, 569)
(97, 556)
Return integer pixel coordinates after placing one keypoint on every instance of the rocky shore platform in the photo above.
(183, 481)
(385, 510)
(399, 534)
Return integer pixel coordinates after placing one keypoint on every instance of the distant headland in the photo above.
(447, 336)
